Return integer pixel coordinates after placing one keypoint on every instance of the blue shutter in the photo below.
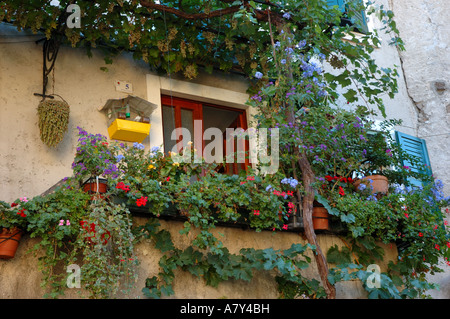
(339, 3)
(358, 18)
(417, 149)
(355, 17)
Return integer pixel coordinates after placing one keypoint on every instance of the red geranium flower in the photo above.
(122, 186)
(141, 201)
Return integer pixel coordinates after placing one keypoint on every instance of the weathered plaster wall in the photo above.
(424, 27)
(20, 278)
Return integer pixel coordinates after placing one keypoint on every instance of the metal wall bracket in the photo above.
(49, 52)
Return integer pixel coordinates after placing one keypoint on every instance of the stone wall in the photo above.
(424, 28)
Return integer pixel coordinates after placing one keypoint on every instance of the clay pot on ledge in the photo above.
(320, 218)
(380, 183)
(9, 241)
(96, 187)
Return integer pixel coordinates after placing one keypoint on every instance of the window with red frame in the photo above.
(197, 117)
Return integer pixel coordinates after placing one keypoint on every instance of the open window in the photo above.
(187, 121)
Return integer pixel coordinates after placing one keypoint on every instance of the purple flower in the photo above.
(289, 51)
(287, 16)
(301, 44)
(321, 93)
(290, 181)
(258, 75)
(139, 146)
(155, 149)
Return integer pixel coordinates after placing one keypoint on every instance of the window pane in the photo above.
(168, 127)
(187, 122)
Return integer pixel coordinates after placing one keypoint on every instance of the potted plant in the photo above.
(94, 162)
(95, 235)
(13, 223)
(53, 120)
(381, 164)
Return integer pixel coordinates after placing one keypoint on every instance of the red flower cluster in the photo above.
(141, 201)
(288, 193)
(122, 186)
(21, 213)
(90, 228)
(339, 178)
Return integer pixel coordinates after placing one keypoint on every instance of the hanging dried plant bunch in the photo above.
(53, 121)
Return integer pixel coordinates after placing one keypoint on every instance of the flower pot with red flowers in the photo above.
(96, 186)
(13, 222)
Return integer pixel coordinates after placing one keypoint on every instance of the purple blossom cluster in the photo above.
(93, 156)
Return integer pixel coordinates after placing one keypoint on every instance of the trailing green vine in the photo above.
(53, 121)
(218, 265)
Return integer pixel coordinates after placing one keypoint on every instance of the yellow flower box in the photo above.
(125, 130)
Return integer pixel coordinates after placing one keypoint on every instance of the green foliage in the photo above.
(74, 228)
(106, 243)
(216, 266)
(13, 216)
(411, 218)
(335, 256)
(54, 219)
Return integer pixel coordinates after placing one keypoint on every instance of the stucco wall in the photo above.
(424, 27)
(20, 278)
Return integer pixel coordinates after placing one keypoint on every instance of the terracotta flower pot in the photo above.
(96, 188)
(320, 218)
(93, 187)
(380, 183)
(9, 241)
